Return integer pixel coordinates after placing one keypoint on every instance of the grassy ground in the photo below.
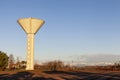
(59, 75)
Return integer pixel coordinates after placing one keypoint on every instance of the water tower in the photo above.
(30, 26)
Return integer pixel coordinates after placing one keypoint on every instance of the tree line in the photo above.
(9, 63)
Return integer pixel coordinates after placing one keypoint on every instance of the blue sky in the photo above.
(72, 28)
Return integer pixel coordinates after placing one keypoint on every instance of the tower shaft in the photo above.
(30, 52)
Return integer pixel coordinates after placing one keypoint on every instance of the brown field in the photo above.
(59, 75)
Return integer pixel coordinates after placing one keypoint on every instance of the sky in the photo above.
(74, 30)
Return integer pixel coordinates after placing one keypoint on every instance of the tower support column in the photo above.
(30, 52)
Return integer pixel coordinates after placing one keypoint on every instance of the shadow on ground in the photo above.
(86, 75)
(60, 75)
(25, 75)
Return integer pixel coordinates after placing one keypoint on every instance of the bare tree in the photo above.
(11, 61)
(54, 65)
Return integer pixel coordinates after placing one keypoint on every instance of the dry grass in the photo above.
(59, 75)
